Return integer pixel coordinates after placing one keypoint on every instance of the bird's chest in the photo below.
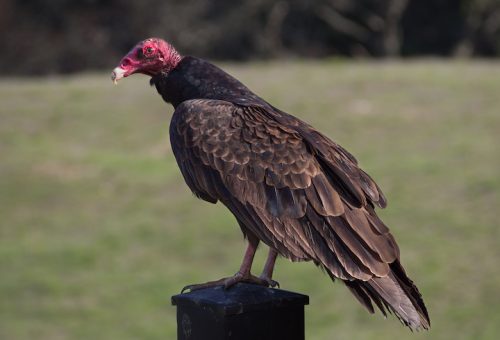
(194, 130)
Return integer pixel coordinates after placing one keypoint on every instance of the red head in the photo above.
(150, 57)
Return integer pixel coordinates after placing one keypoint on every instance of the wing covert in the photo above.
(301, 197)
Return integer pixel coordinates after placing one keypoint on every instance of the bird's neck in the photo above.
(194, 78)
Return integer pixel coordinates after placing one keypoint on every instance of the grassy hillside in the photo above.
(98, 230)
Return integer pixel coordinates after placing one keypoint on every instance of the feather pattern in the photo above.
(287, 184)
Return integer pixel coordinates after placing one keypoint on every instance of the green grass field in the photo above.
(98, 230)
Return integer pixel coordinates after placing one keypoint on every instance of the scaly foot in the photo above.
(228, 282)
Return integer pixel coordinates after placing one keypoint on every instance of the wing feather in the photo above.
(298, 192)
(271, 168)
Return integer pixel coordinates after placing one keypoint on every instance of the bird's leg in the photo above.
(243, 275)
(267, 272)
(246, 265)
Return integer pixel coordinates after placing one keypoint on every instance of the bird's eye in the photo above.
(149, 50)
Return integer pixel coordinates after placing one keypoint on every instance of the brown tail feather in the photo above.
(397, 293)
(412, 292)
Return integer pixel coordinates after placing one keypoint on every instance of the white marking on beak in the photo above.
(117, 74)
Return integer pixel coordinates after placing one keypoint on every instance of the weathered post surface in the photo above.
(242, 312)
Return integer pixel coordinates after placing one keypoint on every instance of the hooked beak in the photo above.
(117, 74)
(128, 65)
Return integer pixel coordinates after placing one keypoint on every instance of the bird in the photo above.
(288, 185)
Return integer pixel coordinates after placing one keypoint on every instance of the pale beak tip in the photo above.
(117, 74)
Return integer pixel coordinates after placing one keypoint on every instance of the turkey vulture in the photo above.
(287, 184)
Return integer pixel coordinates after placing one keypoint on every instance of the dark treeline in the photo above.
(59, 36)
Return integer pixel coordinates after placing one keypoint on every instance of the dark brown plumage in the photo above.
(287, 184)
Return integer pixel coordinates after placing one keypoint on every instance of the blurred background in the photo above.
(60, 36)
(98, 230)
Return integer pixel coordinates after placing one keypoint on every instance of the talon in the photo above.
(270, 282)
(188, 287)
(209, 284)
(275, 284)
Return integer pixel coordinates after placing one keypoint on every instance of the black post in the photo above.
(242, 312)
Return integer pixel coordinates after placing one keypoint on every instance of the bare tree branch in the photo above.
(342, 24)
(274, 27)
(392, 35)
